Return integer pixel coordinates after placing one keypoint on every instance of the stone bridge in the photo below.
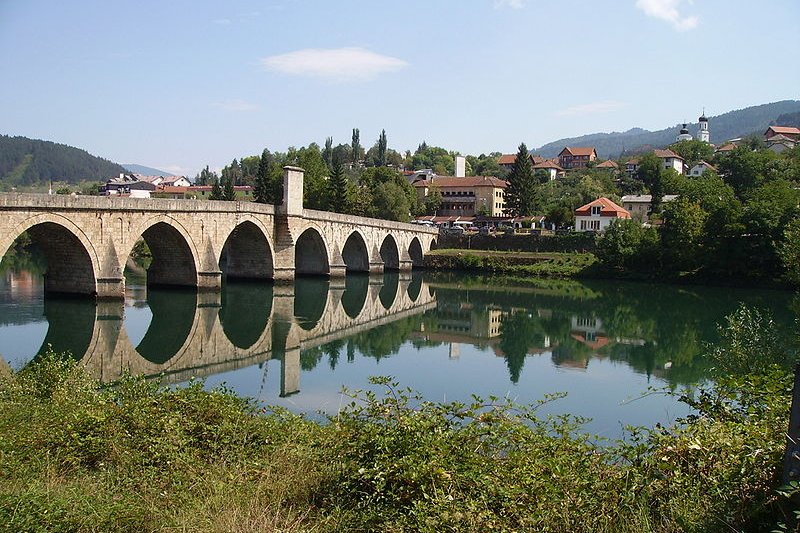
(88, 240)
(195, 334)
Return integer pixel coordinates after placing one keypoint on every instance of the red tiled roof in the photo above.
(707, 165)
(607, 209)
(507, 159)
(608, 164)
(663, 154)
(470, 181)
(727, 147)
(579, 150)
(547, 164)
(785, 130)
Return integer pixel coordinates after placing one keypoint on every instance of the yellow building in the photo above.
(466, 196)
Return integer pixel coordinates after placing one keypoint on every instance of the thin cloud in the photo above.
(236, 105)
(513, 4)
(334, 64)
(668, 10)
(591, 109)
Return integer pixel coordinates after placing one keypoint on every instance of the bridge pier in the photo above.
(110, 288)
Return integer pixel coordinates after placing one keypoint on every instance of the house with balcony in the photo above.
(576, 157)
(466, 196)
(641, 205)
(598, 214)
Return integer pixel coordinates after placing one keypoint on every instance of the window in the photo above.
(596, 210)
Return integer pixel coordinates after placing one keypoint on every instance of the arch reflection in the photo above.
(244, 329)
(355, 294)
(310, 301)
(388, 292)
(70, 325)
(173, 316)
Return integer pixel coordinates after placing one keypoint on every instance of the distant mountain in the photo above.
(730, 125)
(26, 161)
(145, 171)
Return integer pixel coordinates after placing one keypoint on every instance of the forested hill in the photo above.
(26, 161)
(730, 125)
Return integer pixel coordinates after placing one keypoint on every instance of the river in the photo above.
(610, 346)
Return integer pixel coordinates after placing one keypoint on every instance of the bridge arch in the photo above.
(72, 262)
(390, 253)
(247, 252)
(388, 292)
(415, 252)
(311, 254)
(355, 254)
(175, 257)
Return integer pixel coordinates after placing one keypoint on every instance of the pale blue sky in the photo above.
(180, 84)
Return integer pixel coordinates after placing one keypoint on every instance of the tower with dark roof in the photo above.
(684, 135)
(704, 135)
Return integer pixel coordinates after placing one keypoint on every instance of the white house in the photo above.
(670, 160)
(175, 181)
(640, 205)
(700, 168)
(598, 214)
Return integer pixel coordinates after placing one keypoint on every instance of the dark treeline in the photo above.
(26, 161)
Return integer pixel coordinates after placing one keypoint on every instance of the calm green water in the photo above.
(448, 336)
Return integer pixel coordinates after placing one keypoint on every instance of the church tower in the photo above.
(684, 135)
(704, 135)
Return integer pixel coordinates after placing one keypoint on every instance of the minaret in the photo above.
(704, 135)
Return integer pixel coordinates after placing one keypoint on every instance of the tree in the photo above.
(262, 190)
(626, 244)
(789, 252)
(327, 152)
(205, 177)
(649, 172)
(682, 235)
(693, 151)
(337, 187)
(355, 147)
(433, 200)
(382, 149)
(228, 192)
(391, 203)
(216, 191)
(521, 184)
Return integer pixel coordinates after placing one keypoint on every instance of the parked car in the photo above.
(454, 230)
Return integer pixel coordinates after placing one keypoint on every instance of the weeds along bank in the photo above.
(77, 456)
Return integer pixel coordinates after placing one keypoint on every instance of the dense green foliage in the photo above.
(26, 161)
(738, 226)
(75, 456)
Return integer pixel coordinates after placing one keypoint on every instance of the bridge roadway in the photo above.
(88, 239)
(195, 334)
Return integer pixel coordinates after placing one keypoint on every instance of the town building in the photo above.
(787, 131)
(598, 215)
(684, 135)
(129, 185)
(466, 196)
(780, 142)
(507, 160)
(576, 157)
(551, 167)
(704, 135)
(641, 205)
(671, 160)
(608, 165)
(700, 168)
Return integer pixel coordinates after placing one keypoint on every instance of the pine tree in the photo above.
(337, 188)
(327, 153)
(262, 192)
(356, 147)
(216, 191)
(521, 183)
(382, 149)
(228, 192)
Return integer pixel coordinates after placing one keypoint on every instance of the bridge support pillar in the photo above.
(110, 288)
(338, 271)
(406, 266)
(209, 281)
(376, 267)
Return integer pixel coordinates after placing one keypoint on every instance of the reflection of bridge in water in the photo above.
(195, 334)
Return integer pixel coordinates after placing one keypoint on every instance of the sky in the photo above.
(178, 85)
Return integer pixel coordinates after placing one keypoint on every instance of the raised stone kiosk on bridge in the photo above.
(87, 240)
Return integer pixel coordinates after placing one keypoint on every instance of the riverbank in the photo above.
(77, 456)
